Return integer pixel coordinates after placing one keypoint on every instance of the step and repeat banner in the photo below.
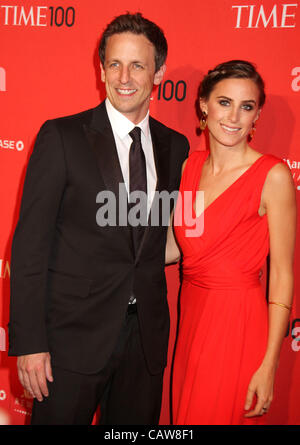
(49, 67)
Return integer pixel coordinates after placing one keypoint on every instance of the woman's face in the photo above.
(231, 109)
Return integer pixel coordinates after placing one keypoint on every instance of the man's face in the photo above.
(129, 74)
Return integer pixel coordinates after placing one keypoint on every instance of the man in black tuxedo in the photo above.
(89, 315)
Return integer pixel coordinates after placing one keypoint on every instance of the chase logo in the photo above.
(11, 145)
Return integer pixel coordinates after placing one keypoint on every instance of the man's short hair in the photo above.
(136, 24)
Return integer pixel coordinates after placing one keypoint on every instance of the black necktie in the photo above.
(138, 177)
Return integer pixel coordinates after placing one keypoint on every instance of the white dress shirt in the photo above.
(121, 127)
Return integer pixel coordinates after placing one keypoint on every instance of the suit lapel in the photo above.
(101, 140)
(161, 149)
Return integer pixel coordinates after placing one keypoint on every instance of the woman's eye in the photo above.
(247, 107)
(224, 102)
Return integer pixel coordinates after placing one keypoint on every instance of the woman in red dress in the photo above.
(230, 336)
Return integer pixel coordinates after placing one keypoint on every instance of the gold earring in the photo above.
(203, 121)
(252, 131)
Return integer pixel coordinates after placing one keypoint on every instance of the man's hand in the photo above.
(34, 370)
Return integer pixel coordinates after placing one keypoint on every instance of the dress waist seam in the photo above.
(223, 287)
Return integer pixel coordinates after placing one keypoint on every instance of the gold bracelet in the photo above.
(281, 304)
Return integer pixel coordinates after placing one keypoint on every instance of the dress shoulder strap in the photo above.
(192, 168)
(270, 160)
(266, 162)
(263, 166)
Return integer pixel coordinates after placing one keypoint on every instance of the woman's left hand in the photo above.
(261, 385)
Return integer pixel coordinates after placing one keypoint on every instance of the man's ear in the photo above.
(102, 72)
(158, 76)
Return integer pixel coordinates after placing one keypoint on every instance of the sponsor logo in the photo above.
(23, 404)
(2, 79)
(4, 268)
(296, 81)
(11, 145)
(295, 334)
(2, 339)
(2, 395)
(295, 168)
(33, 16)
(255, 16)
(296, 339)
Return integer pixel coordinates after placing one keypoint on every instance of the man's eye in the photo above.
(137, 66)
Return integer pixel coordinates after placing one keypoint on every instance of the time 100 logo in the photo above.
(35, 15)
(169, 90)
(60, 16)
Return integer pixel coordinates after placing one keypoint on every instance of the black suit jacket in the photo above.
(70, 278)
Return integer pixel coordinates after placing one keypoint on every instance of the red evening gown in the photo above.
(223, 323)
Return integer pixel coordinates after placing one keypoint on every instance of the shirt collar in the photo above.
(121, 125)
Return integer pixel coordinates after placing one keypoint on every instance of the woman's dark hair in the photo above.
(234, 69)
(136, 24)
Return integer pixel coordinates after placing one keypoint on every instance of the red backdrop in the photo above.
(49, 67)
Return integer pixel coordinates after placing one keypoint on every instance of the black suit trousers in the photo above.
(125, 390)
